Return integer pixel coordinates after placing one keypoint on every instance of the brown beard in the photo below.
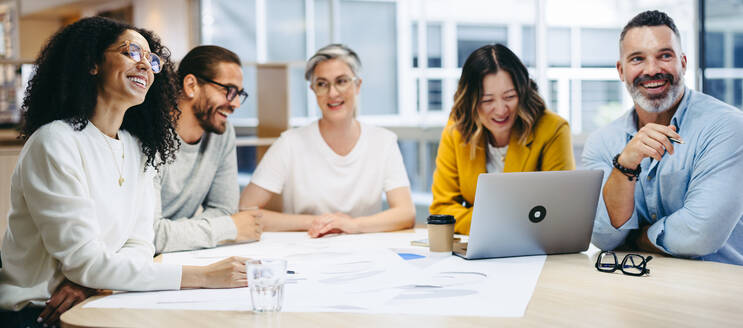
(204, 112)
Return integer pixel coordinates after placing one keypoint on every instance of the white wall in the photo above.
(471, 11)
(170, 19)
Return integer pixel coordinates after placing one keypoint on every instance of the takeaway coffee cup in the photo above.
(440, 233)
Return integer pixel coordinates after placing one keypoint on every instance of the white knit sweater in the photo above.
(70, 218)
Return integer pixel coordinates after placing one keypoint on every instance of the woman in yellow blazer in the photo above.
(499, 123)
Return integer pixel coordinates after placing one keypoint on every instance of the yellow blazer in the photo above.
(548, 148)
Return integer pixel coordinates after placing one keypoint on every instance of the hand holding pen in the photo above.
(678, 141)
(652, 140)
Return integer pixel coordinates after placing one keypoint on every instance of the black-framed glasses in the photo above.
(232, 91)
(632, 264)
(136, 53)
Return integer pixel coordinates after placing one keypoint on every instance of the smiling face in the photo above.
(498, 105)
(652, 66)
(212, 108)
(336, 104)
(121, 79)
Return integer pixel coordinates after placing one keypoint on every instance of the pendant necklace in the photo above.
(113, 155)
(501, 153)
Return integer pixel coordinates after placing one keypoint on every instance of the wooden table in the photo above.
(569, 293)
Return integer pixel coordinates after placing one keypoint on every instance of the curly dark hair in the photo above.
(62, 87)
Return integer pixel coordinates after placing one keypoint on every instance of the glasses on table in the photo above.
(341, 84)
(232, 91)
(135, 52)
(632, 264)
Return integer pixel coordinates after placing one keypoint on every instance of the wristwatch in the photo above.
(629, 173)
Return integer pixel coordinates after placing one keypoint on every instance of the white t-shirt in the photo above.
(70, 218)
(313, 179)
(496, 158)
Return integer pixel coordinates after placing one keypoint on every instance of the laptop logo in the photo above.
(537, 214)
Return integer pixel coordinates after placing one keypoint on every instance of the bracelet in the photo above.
(629, 173)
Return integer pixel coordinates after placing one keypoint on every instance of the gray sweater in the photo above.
(203, 176)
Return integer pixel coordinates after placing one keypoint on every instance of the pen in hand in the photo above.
(678, 141)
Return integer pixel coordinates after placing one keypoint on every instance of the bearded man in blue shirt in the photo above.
(673, 163)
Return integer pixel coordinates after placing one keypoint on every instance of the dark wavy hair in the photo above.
(63, 88)
(486, 60)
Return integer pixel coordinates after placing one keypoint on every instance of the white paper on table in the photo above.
(359, 273)
(455, 286)
(348, 281)
(338, 280)
(314, 297)
(282, 244)
(235, 299)
(271, 245)
(297, 298)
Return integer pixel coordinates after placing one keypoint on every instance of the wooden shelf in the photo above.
(9, 137)
(253, 141)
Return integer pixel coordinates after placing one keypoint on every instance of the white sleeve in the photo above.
(139, 243)
(395, 175)
(52, 175)
(272, 172)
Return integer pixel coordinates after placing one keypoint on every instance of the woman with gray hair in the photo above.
(332, 173)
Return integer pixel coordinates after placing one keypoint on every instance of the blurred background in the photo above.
(411, 50)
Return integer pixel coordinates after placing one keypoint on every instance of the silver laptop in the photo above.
(531, 213)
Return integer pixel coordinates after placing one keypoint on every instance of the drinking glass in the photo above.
(266, 278)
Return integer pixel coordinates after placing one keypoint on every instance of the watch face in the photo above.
(537, 214)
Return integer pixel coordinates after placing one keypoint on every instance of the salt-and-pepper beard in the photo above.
(662, 102)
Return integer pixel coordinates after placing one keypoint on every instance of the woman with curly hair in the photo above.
(498, 123)
(97, 122)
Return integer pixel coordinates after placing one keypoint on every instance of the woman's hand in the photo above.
(248, 224)
(67, 295)
(333, 223)
(227, 273)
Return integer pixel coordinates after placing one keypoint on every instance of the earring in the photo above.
(190, 95)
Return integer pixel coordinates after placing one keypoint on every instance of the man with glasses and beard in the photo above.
(199, 192)
(673, 163)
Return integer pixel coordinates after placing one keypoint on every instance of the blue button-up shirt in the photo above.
(693, 199)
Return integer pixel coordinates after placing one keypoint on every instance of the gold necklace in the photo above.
(113, 155)
(500, 153)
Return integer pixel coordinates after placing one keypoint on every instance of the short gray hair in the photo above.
(333, 51)
(649, 18)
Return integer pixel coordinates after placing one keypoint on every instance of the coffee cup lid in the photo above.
(441, 219)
